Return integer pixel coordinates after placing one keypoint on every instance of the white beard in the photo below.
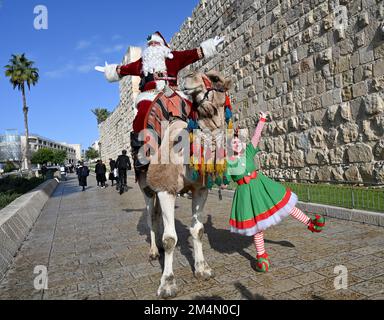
(153, 59)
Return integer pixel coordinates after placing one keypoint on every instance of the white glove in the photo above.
(109, 71)
(217, 40)
(101, 69)
(209, 46)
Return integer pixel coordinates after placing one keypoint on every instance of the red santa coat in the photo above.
(180, 60)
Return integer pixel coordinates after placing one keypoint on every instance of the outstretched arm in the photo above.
(114, 72)
(207, 49)
(259, 129)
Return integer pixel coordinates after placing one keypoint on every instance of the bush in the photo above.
(13, 187)
(9, 167)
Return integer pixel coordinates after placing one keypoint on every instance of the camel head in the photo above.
(208, 92)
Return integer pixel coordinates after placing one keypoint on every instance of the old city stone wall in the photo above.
(317, 66)
(115, 131)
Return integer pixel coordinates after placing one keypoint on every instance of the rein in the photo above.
(209, 88)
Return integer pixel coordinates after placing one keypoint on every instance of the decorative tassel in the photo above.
(209, 182)
(195, 175)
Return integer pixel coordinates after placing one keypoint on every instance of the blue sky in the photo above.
(80, 35)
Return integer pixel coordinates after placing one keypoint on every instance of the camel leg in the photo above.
(202, 269)
(151, 220)
(168, 287)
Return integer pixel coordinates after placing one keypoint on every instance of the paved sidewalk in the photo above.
(95, 245)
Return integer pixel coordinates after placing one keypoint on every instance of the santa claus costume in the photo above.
(260, 202)
(158, 67)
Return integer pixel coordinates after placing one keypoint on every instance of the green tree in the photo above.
(59, 156)
(101, 114)
(43, 156)
(9, 167)
(20, 71)
(91, 154)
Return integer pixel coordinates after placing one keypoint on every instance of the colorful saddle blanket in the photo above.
(165, 109)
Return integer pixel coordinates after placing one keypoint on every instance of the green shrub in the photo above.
(9, 167)
(13, 187)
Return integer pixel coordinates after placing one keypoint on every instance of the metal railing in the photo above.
(351, 195)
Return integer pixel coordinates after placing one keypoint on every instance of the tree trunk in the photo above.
(26, 150)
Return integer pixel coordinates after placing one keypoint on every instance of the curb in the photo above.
(362, 216)
(18, 218)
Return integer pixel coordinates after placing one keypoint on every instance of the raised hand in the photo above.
(262, 115)
(217, 40)
(101, 69)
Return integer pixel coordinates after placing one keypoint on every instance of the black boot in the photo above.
(139, 163)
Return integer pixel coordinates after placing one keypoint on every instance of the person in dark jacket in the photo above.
(100, 171)
(123, 164)
(112, 166)
(82, 173)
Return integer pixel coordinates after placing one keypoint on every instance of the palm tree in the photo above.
(101, 114)
(20, 70)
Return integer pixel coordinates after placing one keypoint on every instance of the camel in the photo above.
(165, 181)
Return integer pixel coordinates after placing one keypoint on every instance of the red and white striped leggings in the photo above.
(259, 237)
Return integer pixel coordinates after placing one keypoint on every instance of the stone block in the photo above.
(359, 89)
(360, 152)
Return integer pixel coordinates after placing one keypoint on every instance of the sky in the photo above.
(80, 35)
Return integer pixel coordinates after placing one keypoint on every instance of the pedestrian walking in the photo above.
(63, 173)
(101, 171)
(123, 164)
(112, 166)
(82, 173)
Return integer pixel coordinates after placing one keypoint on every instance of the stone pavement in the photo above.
(95, 246)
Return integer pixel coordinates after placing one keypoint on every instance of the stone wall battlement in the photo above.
(317, 66)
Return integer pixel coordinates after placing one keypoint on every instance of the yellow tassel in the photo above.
(230, 125)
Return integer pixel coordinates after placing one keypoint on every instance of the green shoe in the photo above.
(317, 225)
(263, 262)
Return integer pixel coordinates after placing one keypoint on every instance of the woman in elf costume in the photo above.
(260, 202)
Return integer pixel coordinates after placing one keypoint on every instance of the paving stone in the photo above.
(108, 256)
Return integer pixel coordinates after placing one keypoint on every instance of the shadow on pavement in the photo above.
(224, 241)
(248, 294)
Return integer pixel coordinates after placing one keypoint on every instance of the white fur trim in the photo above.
(111, 73)
(271, 221)
(150, 96)
(170, 56)
(209, 48)
(157, 38)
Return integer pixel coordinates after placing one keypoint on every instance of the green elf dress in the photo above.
(259, 202)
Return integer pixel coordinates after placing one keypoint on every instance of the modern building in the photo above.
(77, 148)
(12, 146)
(38, 142)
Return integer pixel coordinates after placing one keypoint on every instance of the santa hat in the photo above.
(157, 37)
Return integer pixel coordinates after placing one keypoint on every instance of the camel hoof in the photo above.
(203, 271)
(168, 288)
(205, 275)
(154, 255)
